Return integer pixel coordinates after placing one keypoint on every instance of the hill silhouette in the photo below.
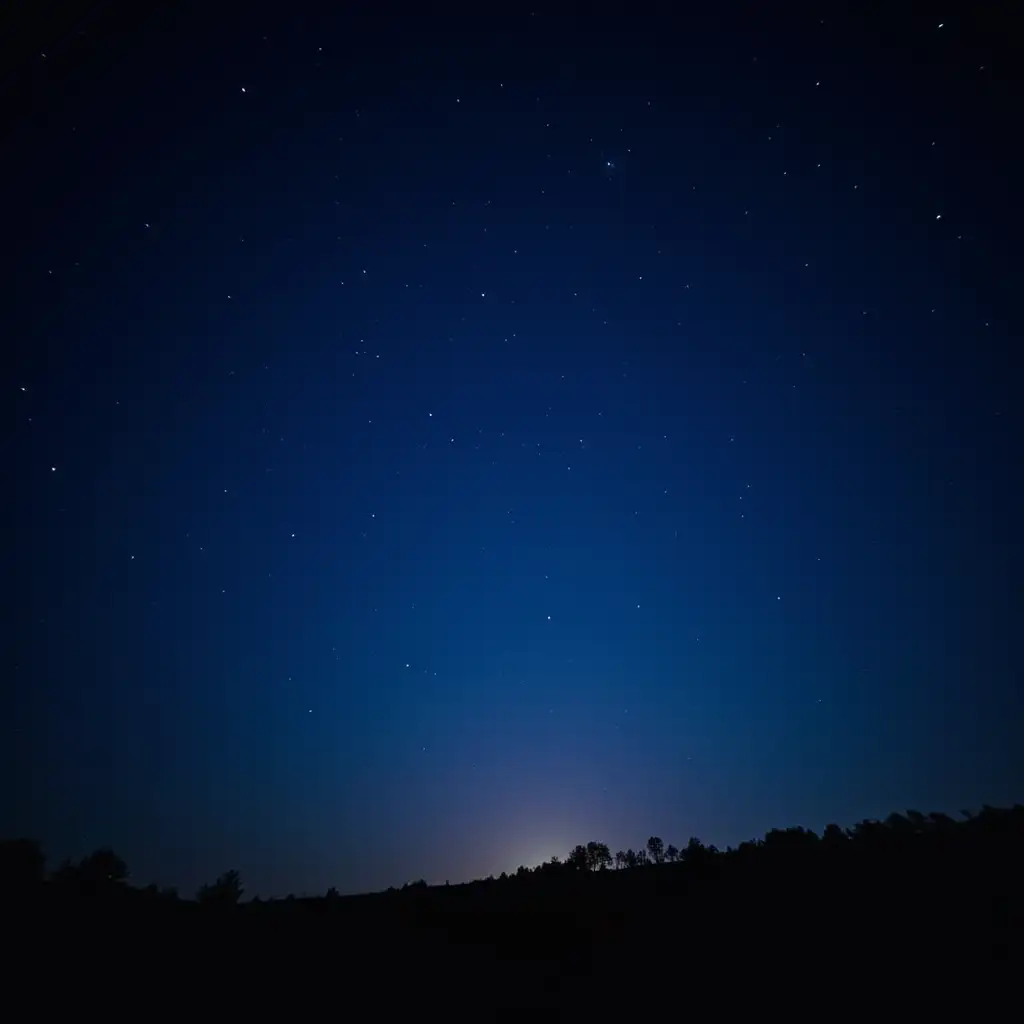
(920, 905)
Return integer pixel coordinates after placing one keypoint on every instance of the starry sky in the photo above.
(437, 441)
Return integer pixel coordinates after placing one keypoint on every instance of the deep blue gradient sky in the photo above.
(434, 443)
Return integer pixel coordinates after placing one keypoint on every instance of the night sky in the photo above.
(434, 442)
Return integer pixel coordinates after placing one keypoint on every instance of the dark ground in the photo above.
(918, 928)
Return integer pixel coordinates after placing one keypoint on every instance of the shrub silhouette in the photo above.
(226, 891)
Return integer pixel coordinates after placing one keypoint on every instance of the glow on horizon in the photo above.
(534, 859)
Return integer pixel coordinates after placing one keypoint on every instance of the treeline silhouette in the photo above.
(917, 893)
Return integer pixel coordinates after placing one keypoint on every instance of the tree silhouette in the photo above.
(898, 823)
(790, 839)
(102, 867)
(599, 856)
(834, 836)
(578, 858)
(918, 820)
(695, 853)
(225, 892)
(656, 849)
(671, 854)
(551, 867)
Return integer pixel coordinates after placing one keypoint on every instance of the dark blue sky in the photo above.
(434, 443)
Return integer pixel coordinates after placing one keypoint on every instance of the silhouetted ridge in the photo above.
(915, 892)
